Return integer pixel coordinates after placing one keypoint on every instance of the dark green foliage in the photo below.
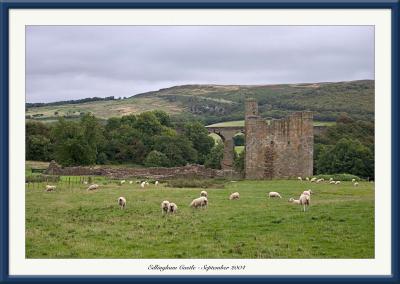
(214, 159)
(38, 144)
(156, 159)
(347, 156)
(239, 160)
(238, 139)
(178, 149)
(347, 147)
(198, 135)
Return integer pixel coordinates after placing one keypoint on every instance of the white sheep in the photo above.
(142, 184)
(138, 181)
(331, 179)
(122, 202)
(332, 182)
(199, 202)
(173, 208)
(147, 183)
(50, 187)
(204, 193)
(307, 179)
(85, 182)
(93, 187)
(313, 179)
(303, 200)
(122, 182)
(156, 183)
(319, 180)
(299, 178)
(355, 184)
(274, 194)
(164, 206)
(234, 196)
(130, 182)
(353, 180)
(307, 192)
(322, 179)
(338, 182)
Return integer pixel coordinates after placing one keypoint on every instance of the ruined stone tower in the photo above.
(278, 148)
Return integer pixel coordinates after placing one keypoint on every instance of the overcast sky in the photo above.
(72, 62)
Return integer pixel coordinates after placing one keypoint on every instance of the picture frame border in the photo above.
(393, 5)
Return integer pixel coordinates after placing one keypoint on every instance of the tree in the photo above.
(178, 149)
(238, 139)
(148, 124)
(347, 156)
(198, 135)
(162, 117)
(239, 160)
(156, 159)
(215, 157)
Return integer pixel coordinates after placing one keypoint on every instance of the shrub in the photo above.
(156, 159)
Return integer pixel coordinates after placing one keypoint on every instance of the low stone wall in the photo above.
(189, 171)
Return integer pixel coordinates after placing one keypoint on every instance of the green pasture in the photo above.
(73, 223)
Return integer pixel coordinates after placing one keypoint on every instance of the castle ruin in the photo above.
(279, 148)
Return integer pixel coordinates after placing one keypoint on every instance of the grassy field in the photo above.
(74, 223)
(240, 123)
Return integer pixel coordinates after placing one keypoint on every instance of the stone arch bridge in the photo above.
(227, 133)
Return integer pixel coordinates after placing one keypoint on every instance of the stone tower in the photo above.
(278, 148)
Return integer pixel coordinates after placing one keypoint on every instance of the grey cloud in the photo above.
(70, 62)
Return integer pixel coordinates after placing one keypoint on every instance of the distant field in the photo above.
(105, 109)
(74, 223)
(240, 123)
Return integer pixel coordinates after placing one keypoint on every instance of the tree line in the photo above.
(154, 139)
(148, 139)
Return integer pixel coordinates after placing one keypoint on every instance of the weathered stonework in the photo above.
(278, 148)
(189, 171)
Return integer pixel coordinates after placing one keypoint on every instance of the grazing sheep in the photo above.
(234, 196)
(130, 182)
(355, 184)
(122, 182)
(122, 202)
(307, 192)
(319, 180)
(299, 178)
(50, 187)
(332, 182)
(199, 202)
(164, 206)
(313, 179)
(142, 184)
(147, 183)
(353, 180)
(322, 179)
(338, 182)
(156, 183)
(138, 181)
(85, 182)
(204, 193)
(303, 200)
(173, 208)
(307, 179)
(93, 187)
(274, 194)
(295, 201)
(331, 179)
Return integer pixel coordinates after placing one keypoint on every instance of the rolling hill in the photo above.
(219, 103)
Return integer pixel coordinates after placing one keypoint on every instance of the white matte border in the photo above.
(379, 18)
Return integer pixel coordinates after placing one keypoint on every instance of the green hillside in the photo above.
(217, 103)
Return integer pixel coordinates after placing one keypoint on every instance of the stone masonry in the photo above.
(279, 148)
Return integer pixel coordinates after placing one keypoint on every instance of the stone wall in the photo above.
(189, 171)
(279, 148)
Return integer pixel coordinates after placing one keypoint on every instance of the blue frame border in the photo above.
(6, 5)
